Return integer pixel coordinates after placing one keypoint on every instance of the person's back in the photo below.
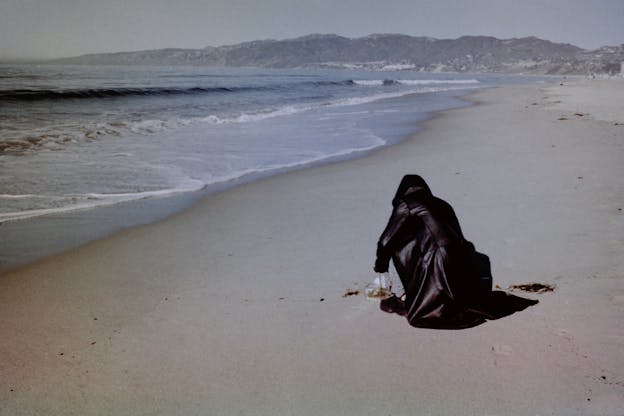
(431, 256)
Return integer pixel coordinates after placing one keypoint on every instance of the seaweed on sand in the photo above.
(533, 287)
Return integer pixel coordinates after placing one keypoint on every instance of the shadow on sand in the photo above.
(493, 304)
(488, 305)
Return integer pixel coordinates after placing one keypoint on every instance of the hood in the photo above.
(411, 186)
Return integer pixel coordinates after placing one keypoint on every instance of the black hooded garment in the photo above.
(434, 261)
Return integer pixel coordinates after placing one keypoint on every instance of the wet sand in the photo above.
(236, 306)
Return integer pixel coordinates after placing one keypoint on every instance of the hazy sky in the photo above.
(51, 28)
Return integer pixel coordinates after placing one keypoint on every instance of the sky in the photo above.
(59, 28)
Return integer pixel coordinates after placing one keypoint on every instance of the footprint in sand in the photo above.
(617, 300)
(502, 349)
(564, 334)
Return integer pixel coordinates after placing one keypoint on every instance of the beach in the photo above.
(237, 305)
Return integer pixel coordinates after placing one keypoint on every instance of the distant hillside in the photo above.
(384, 51)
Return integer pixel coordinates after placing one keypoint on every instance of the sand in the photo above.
(236, 306)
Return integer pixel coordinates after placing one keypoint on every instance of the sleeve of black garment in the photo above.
(389, 237)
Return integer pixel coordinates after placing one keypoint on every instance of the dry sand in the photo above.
(236, 306)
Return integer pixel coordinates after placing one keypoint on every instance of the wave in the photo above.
(56, 137)
(388, 95)
(78, 202)
(345, 82)
(90, 200)
(21, 95)
(42, 95)
(379, 82)
(291, 109)
(390, 81)
(437, 81)
(257, 116)
(23, 76)
(375, 82)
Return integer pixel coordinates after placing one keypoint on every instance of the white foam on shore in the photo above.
(95, 200)
(437, 81)
(92, 200)
(290, 110)
(380, 82)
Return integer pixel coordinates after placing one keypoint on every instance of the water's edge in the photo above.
(28, 240)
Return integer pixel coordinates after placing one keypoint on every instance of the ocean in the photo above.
(76, 138)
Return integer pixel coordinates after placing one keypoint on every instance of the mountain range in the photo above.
(384, 52)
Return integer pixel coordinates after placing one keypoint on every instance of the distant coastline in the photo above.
(485, 54)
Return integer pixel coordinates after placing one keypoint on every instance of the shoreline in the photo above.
(22, 243)
(237, 304)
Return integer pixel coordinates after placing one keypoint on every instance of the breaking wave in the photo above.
(55, 136)
(90, 93)
(379, 82)
(95, 93)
